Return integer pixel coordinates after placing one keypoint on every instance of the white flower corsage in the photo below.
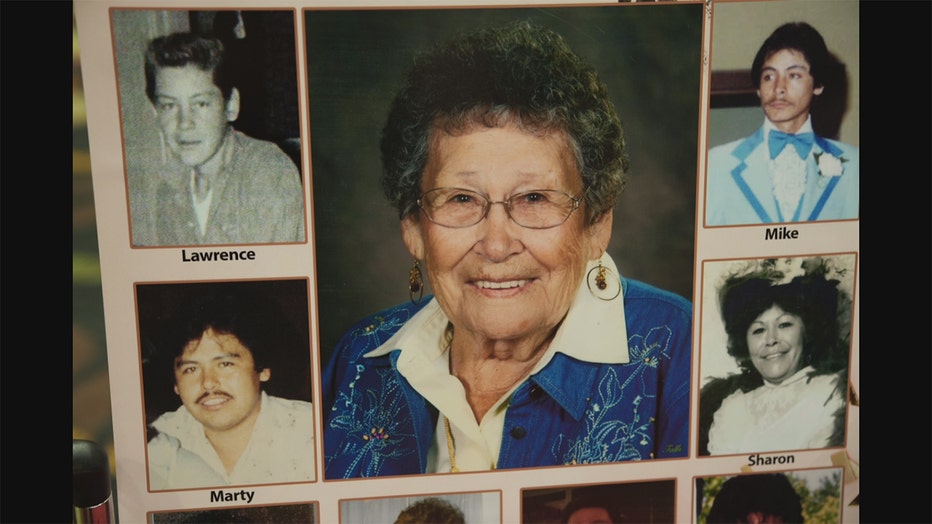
(829, 165)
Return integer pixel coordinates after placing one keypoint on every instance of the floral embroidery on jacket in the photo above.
(614, 440)
(373, 416)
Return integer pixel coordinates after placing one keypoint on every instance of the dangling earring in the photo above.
(600, 277)
(600, 285)
(415, 283)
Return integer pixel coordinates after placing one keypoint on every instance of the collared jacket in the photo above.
(570, 412)
(739, 188)
(257, 199)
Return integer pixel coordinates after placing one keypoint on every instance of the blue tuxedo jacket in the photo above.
(738, 187)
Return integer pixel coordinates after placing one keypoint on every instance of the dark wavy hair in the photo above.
(590, 501)
(433, 510)
(770, 494)
(249, 316)
(182, 49)
(811, 297)
(518, 73)
(801, 37)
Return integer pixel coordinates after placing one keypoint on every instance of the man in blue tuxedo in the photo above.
(758, 179)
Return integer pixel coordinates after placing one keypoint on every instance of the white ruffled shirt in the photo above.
(281, 449)
(787, 172)
(798, 413)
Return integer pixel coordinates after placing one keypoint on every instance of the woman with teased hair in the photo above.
(784, 335)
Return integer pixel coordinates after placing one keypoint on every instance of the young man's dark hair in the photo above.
(797, 36)
(182, 49)
(243, 313)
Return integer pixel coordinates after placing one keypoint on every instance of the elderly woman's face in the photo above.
(775, 341)
(497, 279)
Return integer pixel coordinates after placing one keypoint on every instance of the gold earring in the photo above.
(600, 277)
(415, 283)
(604, 288)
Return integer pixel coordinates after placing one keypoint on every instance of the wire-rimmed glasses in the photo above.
(537, 209)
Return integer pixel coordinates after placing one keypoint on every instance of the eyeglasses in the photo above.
(538, 209)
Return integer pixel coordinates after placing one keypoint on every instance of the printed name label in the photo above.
(218, 495)
(757, 460)
(214, 256)
(780, 233)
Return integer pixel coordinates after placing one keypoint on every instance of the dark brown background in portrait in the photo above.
(650, 59)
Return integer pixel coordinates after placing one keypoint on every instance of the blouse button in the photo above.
(518, 432)
(535, 392)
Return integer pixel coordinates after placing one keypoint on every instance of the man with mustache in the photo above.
(229, 431)
(217, 185)
(784, 172)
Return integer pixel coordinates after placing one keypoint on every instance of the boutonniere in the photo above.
(830, 165)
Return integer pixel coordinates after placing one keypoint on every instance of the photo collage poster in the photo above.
(261, 256)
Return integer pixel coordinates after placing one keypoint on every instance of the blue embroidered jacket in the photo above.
(570, 412)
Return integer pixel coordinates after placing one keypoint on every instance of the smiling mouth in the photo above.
(774, 356)
(213, 401)
(508, 284)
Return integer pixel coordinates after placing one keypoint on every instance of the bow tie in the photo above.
(778, 140)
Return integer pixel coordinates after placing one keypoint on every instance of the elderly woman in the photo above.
(790, 394)
(504, 157)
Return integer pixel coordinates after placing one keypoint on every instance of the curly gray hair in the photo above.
(519, 73)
